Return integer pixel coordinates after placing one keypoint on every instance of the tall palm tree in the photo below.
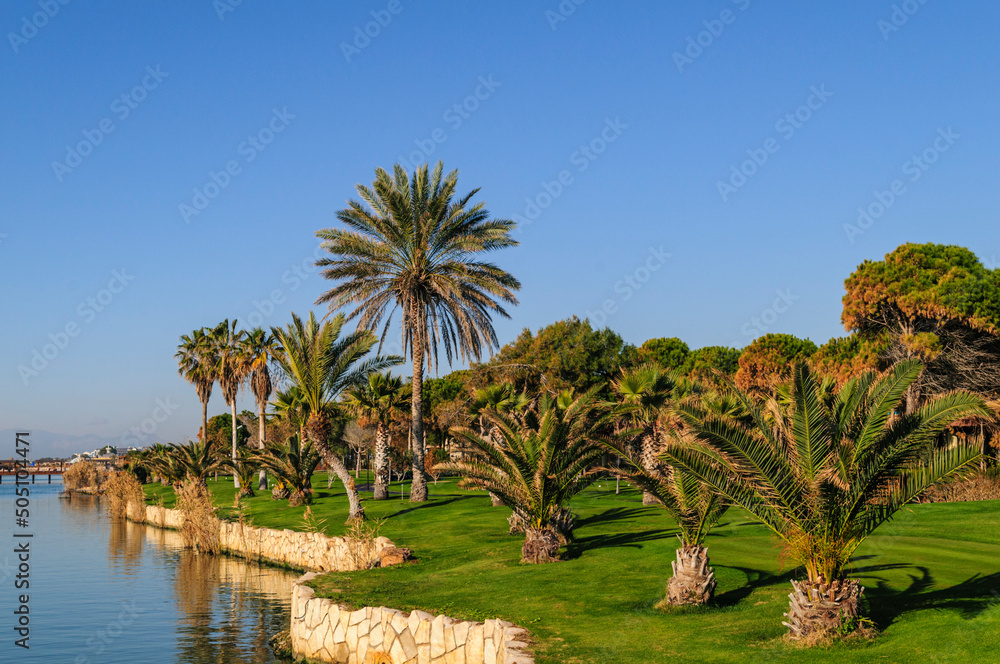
(536, 464)
(824, 471)
(413, 245)
(260, 349)
(645, 391)
(196, 363)
(378, 400)
(321, 364)
(232, 369)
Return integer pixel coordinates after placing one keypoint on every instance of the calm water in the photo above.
(107, 592)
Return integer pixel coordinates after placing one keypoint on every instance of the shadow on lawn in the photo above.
(970, 597)
(430, 503)
(580, 545)
(756, 578)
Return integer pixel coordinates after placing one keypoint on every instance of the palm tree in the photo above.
(196, 363)
(260, 349)
(293, 464)
(232, 368)
(497, 398)
(378, 400)
(414, 248)
(536, 464)
(694, 506)
(645, 391)
(196, 461)
(244, 469)
(321, 365)
(824, 471)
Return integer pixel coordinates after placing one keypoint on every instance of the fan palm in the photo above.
(197, 364)
(293, 464)
(260, 349)
(536, 464)
(321, 365)
(414, 248)
(824, 471)
(232, 367)
(645, 391)
(378, 400)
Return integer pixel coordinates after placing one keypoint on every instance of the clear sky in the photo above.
(261, 117)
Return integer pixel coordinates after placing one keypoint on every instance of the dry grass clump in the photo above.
(981, 486)
(125, 496)
(361, 546)
(201, 528)
(81, 475)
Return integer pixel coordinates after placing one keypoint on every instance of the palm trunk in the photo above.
(418, 486)
(816, 608)
(381, 463)
(541, 545)
(648, 460)
(693, 582)
(204, 422)
(262, 480)
(357, 511)
(236, 479)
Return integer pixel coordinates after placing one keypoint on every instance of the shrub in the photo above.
(81, 475)
(125, 496)
(200, 530)
(984, 485)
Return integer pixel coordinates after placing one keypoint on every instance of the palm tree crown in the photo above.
(412, 245)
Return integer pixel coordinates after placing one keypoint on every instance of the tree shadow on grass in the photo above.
(756, 578)
(428, 504)
(613, 514)
(969, 598)
(635, 540)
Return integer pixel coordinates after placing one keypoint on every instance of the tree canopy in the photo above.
(667, 352)
(936, 303)
(768, 360)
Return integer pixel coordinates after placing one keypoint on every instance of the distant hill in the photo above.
(48, 444)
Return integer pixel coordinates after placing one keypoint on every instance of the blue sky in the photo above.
(614, 128)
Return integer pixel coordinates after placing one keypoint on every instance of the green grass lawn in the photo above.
(932, 578)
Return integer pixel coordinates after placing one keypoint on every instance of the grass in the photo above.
(932, 578)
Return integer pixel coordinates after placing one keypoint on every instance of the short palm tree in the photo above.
(824, 471)
(196, 363)
(260, 349)
(412, 245)
(536, 464)
(321, 365)
(245, 470)
(695, 506)
(293, 464)
(378, 400)
(196, 461)
(497, 398)
(232, 368)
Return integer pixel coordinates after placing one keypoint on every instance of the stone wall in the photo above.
(323, 631)
(305, 551)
